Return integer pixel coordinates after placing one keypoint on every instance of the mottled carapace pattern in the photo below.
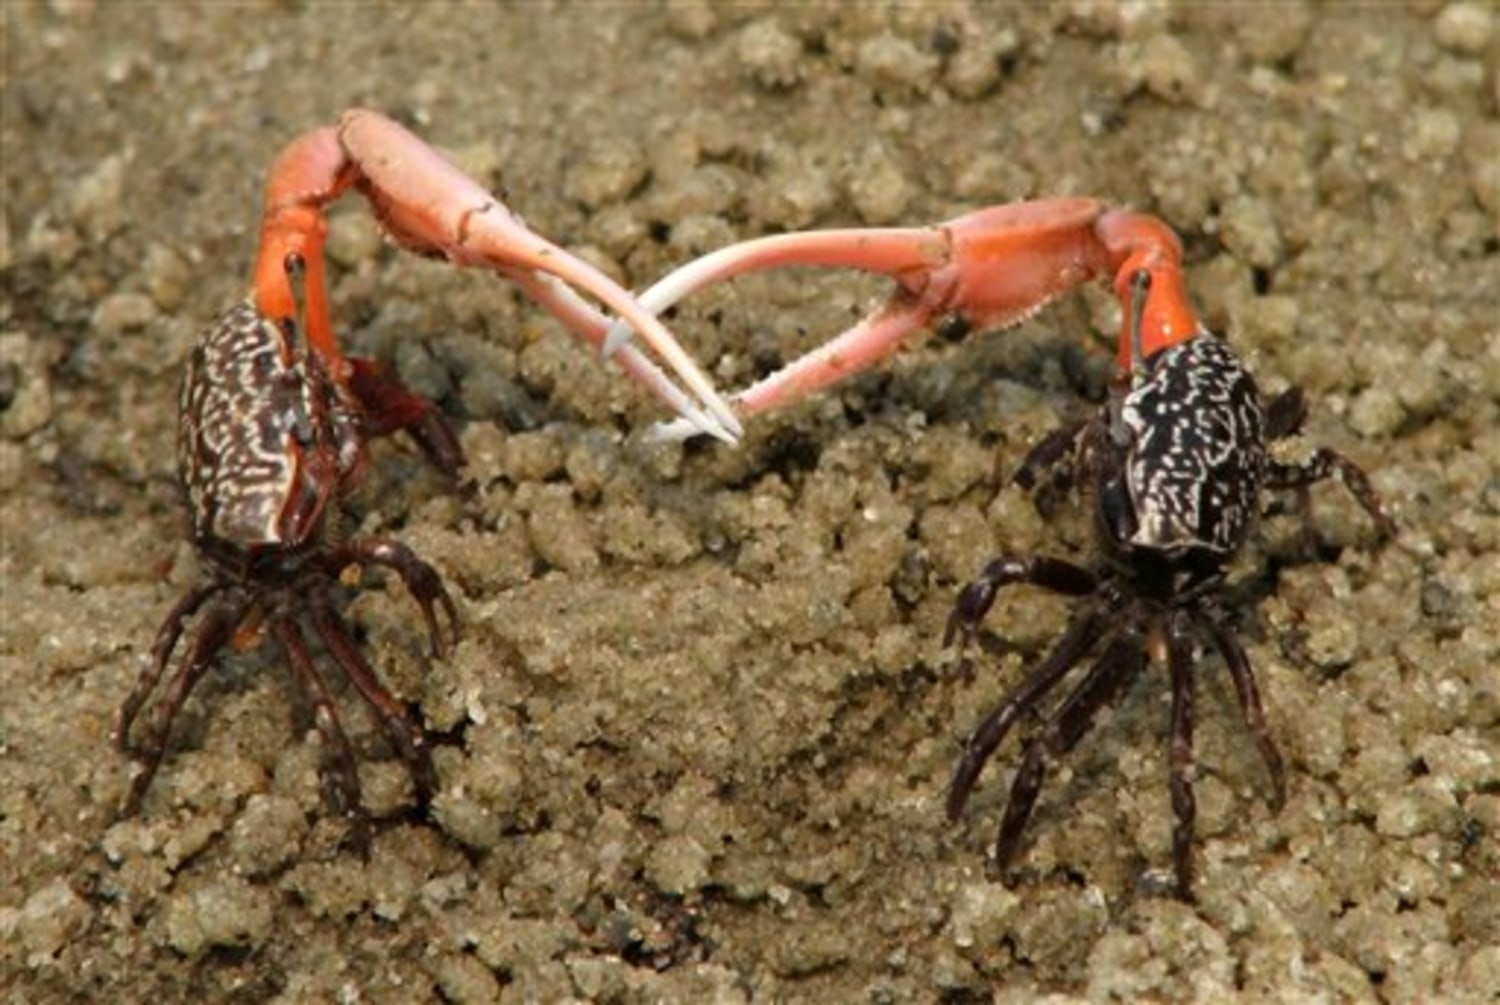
(268, 443)
(1195, 457)
(250, 405)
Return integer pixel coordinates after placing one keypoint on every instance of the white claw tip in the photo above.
(693, 422)
(617, 338)
(678, 430)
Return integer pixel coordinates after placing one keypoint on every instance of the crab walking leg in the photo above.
(428, 206)
(995, 267)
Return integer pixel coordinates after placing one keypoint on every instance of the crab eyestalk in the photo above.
(1140, 290)
(295, 268)
(1134, 375)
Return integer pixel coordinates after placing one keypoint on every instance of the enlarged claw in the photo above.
(428, 206)
(995, 267)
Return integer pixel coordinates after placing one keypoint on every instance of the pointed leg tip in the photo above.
(135, 797)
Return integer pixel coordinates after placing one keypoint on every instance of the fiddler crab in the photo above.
(274, 420)
(1177, 463)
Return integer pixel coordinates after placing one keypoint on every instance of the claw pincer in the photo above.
(428, 206)
(994, 267)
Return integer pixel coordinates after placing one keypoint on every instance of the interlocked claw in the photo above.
(994, 267)
(428, 206)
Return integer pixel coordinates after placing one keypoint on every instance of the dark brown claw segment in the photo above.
(388, 406)
(1285, 414)
(1048, 453)
(422, 581)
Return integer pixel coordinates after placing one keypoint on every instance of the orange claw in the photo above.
(311, 172)
(995, 267)
(428, 206)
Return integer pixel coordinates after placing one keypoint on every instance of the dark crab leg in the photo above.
(212, 634)
(422, 581)
(976, 599)
(345, 773)
(405, 734)
(161, 652)
(1323, 464)
(1250, 706)
(1184, 805)
(1110, 673)
(1074, 645)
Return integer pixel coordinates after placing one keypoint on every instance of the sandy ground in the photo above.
(696, 740)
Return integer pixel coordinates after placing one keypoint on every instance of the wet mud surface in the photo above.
(695, 742)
